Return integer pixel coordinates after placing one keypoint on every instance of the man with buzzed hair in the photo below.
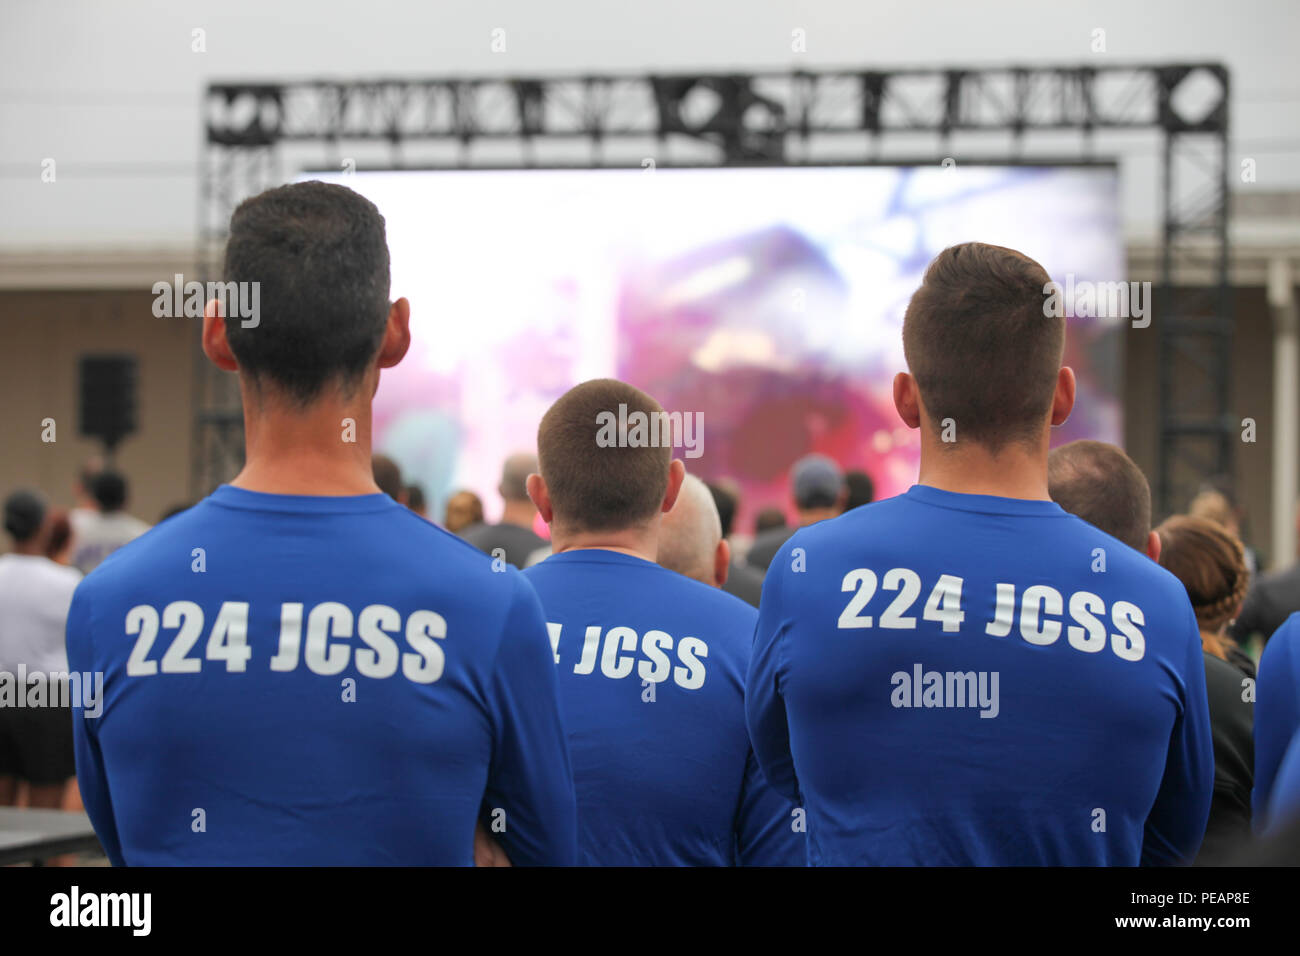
(331, 679)
(651, 664)
(946, 677)
(690, 539)
(513, 537)
(1099, 483)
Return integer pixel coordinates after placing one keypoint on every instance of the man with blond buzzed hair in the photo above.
(690, 538)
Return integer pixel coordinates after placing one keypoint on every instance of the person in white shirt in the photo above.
(35, 593)
(104, 532)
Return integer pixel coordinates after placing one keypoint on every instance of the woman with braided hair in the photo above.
(1211, 564)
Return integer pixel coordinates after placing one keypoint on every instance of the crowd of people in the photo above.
(1009, 664)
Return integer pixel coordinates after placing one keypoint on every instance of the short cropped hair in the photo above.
(388, 475)
(594, 484)
(319, 255)
(1100, 484)
(982, 345)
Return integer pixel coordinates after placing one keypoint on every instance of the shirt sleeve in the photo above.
(91, 775)
(768, 829)
(765, 713)
(530, 778)
(1277, 711)
(1175, 826)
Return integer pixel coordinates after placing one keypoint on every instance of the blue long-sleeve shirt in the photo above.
(974, 680)
(651, 671)
(1277, 711)
(316, 680)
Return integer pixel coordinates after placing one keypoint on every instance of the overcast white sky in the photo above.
(111, 89)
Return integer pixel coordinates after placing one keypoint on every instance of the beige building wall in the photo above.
(43, 335)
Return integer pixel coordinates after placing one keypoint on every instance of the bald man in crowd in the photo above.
(690, 536)
(513, 537)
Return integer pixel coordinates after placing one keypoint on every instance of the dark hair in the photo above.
(1212, 566)
(725, 501)
(415, 497)
(1100, 484)
(597, 484)
(982, 344)
(770, 517)
(60, 533)
(388, 475)
(109, 490)
(24, 515)
(320, 259)
(861, 489)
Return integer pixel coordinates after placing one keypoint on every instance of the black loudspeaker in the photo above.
(108, 397)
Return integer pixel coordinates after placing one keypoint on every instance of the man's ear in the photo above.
(397, 335)
(676, 475)
(721, 563)
(907, 400)
(1153, 547)
(540, 496)
(215, 346)
(1063, 397)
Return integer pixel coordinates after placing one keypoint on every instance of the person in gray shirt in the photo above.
(513, 537)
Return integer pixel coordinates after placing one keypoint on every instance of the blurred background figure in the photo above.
(388, 476)
(1211, 563)
(741, 580)
(109, 527)
(690, 536)
(1272, 598)
(819, 493)
(84, 507)
(464, 510)
(58, 546)
(36, 748)
(416, 501)
(1099, 483)
(768, 519)
(514, 533)
(1216, 501)
(859, 489)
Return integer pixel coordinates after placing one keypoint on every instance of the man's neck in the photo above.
(1016, 471)
(519, 513)
(640, 542)
(323, 450)
(809, 516)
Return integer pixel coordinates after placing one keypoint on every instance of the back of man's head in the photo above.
(981, 347)
(1097, 482)
(601, 471)
(817, 483)
(109, 489)
(514, 476)
(24, 515)
(320, 260)
(691, 533)
(860, 488)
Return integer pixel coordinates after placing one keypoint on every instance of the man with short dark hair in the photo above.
(859, 489)
(651, 664)
(109, 527)
(948, 676)
(388, 476)
(819, 493)
(298, 670)
(512, 539)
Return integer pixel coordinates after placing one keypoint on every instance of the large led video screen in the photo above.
(767, 303)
